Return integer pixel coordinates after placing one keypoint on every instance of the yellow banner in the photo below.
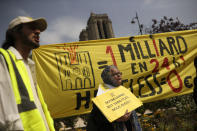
(154, 67)
(116, 102)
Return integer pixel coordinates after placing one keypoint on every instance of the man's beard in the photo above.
(28, 42)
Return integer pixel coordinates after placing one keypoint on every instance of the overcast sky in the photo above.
(66, 18)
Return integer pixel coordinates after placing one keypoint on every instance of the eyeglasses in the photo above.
(117, 74)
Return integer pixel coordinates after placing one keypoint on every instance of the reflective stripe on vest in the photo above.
(25, 104)
(29, 114)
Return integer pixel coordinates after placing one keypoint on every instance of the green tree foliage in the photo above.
(169, 25)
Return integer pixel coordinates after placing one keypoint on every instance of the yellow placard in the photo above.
(114, 103)
(153, 67)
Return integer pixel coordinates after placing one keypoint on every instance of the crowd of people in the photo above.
(22, 106)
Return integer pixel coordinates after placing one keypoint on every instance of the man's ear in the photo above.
(18, 31)
(16, 36)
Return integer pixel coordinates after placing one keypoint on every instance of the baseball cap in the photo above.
(40, 23)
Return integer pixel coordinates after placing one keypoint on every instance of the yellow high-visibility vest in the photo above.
(29, 114)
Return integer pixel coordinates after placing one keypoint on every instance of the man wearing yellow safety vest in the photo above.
(22, 106)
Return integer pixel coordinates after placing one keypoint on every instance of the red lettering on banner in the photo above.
(109, 50)
(182, 58)
(166, 63)
(156, 66)
(176, 90)
(157, 52)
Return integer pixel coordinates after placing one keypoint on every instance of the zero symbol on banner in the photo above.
(176, 90)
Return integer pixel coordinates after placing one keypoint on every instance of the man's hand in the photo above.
(125, 117)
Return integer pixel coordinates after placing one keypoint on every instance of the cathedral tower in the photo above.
(99, 26)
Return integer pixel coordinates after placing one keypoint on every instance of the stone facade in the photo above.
(99, 26)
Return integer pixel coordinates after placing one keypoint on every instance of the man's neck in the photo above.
(23, 50)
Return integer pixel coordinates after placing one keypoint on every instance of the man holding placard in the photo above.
(113, 108)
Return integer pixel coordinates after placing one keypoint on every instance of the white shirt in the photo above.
(101, 91)
(9, 116)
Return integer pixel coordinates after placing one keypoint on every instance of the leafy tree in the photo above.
(169, 25)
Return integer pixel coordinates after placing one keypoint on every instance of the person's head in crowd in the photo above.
(24, 31)
(112, 76)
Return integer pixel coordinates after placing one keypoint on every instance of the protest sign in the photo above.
(114, 103)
